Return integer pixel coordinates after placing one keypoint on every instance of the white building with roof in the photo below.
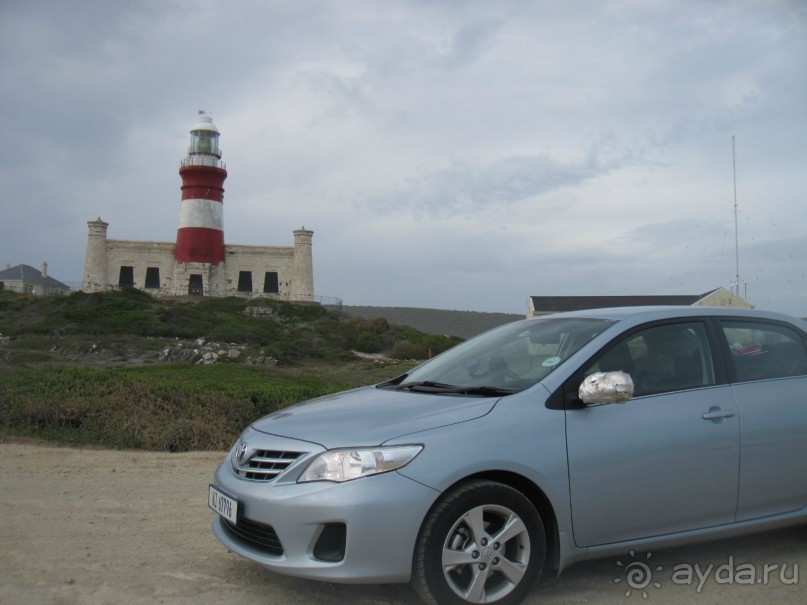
(28, 280)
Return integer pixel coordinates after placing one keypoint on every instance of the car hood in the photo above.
(370, 416)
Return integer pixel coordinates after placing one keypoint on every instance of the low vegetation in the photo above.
(438, 321)
(86, 368)
(177, 407)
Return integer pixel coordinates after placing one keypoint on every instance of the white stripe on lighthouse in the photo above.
(201, 213)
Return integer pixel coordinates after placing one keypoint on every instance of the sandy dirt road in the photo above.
(87, 526)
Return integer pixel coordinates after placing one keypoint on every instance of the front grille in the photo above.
(257, 535)
(264, 465)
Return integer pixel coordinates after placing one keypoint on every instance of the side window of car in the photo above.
(760, 351)
(663, 358)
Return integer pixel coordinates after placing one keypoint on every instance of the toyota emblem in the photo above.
(241, 452)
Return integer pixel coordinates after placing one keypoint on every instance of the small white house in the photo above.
(27, 280)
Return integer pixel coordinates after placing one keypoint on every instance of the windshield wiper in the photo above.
(392, 382)
(488, 391)
(428, 386)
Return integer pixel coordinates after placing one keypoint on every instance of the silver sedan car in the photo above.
(532, 446)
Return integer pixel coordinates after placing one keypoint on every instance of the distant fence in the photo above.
(326, 301)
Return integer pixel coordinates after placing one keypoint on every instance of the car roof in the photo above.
(644, 314)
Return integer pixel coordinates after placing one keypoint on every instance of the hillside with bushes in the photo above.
(464, 324)
(128, 325)
(122, 369)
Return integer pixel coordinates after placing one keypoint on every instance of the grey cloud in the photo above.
(469, 43)
(463, 187)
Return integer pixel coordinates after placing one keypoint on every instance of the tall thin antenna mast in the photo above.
(736, 234)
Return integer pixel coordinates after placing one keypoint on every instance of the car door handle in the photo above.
(717, 413)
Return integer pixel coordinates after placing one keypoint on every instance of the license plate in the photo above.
(222, 504)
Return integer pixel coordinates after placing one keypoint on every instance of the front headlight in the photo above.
(344, 465)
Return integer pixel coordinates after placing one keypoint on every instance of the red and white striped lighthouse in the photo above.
(200, 238)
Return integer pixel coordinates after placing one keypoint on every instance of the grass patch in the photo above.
(167, 408)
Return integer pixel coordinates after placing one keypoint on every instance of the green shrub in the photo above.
(167, 407)
(408, 350)
(367, 342)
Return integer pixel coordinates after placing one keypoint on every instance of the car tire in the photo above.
(483, 542)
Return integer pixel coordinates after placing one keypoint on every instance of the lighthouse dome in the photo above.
(205, 123)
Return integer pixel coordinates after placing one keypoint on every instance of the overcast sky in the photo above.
(446, 154)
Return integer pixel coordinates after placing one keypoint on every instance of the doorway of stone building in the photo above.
(195, 285)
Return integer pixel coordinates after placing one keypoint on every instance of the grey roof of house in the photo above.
(29, 275)
(557, 304)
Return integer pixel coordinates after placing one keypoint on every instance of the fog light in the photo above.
(330, 545)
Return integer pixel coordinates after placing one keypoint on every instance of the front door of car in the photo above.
(666, 461)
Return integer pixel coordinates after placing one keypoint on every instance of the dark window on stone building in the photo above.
(126, 277)
(270, 284)
(153, 277)
(245, 281)
(195, 285)
(2, 286)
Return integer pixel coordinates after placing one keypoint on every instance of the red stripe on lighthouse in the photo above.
(199, 245)
(205, 182)
(200, 237)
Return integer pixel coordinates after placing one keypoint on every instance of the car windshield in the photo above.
(504, 360)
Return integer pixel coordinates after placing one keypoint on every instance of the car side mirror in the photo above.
(606, 387)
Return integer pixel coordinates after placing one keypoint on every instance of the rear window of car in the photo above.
(761, 351)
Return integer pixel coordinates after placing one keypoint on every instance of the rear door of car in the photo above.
(768, 371)
(666, 461)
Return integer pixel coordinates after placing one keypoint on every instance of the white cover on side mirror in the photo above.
(606, 387)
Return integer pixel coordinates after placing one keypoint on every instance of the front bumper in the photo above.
(379, 517)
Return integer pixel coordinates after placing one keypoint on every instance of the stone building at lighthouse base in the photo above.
(200, 263)
(284, 272)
